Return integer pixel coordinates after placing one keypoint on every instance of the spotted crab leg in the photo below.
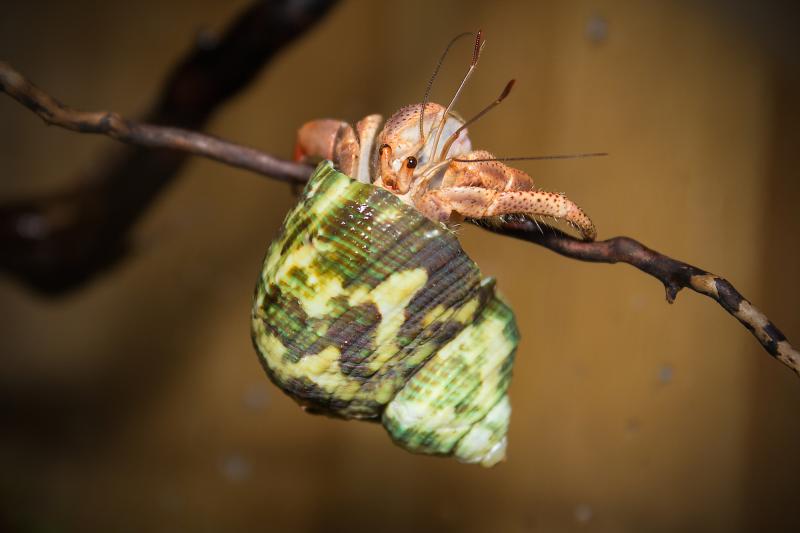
(478, 202)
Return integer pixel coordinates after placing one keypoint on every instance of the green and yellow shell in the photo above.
(367, 309)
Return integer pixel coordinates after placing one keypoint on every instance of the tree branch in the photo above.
(674, 274)
(113, 125)
(58, 242)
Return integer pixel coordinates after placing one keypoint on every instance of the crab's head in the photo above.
(405, 153)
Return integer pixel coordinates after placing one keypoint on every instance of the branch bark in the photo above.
(113, 125)
(675, 275)
(58, 242)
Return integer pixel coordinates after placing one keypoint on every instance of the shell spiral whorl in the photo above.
(366, 309)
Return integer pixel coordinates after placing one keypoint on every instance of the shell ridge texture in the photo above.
(364, 308)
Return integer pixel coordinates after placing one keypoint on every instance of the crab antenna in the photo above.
(476, 53)
(455, 134)
(534, 157)
(430, 171)
(433, 77)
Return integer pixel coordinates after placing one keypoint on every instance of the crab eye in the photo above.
(385, 147)
(411, 162)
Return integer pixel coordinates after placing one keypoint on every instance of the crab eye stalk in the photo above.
(405, 175)
(387, 175)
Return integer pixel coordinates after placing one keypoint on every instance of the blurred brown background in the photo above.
(138, 403)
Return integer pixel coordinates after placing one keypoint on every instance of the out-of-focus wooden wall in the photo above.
(138, 403)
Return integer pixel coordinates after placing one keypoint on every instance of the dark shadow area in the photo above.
(774, 461)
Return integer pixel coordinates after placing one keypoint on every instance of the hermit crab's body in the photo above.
(446, 181)
(367, 307)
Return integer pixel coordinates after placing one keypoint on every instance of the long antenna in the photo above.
(433, 77)
(534, 157)
(476, 53)
(455, 134)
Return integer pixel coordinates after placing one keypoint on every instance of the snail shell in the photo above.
(366, 309)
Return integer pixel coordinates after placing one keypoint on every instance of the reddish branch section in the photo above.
(56, 243)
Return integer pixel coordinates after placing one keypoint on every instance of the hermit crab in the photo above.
(368, 308)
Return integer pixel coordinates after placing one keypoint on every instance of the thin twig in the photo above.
(113, 125)
(674, 274)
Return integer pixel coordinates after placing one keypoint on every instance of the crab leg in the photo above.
(328, 139)
(367, 130)
(478, 202)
